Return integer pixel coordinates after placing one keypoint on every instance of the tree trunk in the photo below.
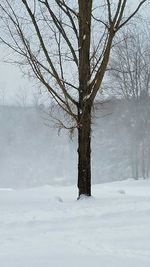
(84, 154)
(84, 112)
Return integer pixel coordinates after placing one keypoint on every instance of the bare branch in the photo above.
(132, 15)
(109, 11)
(60, 28)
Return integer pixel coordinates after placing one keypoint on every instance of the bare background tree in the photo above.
(130, 66)
(67, 45)
(130, 73)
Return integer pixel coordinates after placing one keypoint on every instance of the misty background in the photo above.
(32, 153)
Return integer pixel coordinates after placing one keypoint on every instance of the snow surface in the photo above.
(46, 226)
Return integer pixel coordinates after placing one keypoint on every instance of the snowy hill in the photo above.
(32, 154)
(46, 226)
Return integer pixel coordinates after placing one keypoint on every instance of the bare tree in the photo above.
(67, 45)
(130, 71)
(130, 65)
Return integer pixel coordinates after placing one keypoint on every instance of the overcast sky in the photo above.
(12, 82)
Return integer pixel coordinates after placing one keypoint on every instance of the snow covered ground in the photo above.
(46, 226)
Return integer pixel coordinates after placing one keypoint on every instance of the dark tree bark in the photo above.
(84, 111)
(84, 154)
